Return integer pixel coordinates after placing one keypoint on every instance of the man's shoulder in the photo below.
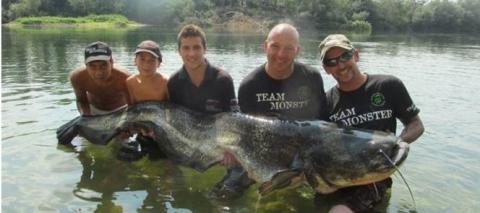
(175, 76)
(132, 78)
(159, 78)
(216, 73)
(177, 79)
(219, 72)
(78, 74)
(383, 79)
(121, 71)
(256, 75)
(306, 69)
(331, 92)
(78, 70)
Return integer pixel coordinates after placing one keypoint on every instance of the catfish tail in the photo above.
(68, 131)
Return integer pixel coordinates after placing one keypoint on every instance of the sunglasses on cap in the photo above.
(344, 57)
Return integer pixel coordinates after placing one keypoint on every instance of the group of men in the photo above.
(280, 87)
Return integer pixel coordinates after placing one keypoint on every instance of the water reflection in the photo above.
(119, 186)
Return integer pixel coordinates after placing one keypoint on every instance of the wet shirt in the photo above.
(375, 105)
(215, 94)
(301, 96)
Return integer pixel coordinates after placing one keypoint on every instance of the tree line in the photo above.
(376, 15)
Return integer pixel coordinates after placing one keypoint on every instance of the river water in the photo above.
(441, 72)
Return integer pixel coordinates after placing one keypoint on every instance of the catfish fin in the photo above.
(68, 131)
(201, 162)
(98, 137)
(282, 179)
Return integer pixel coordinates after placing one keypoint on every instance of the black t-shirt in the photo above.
(375, 105)
(215, 94)
(300, 96)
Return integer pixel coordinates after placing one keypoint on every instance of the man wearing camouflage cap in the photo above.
(368, 101)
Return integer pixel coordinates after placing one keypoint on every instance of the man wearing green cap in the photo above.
(368, 101)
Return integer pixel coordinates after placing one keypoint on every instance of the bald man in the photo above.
(280, 87)
(283, 86)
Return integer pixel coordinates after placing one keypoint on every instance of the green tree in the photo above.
(86, 7)
(7, 14)
(182, 9)
(25, 8)
(471, 21)
(394, 15)
(439, 16)
(156, 12)
(381, 15)
(328, 13)
(55, 7)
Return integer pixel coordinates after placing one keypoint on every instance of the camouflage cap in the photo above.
(334, 40)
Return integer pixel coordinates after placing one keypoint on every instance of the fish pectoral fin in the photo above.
(282, 179)
(323, 187)
(98, 137)
(199, 161)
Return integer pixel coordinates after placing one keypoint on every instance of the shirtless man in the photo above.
(148, 84)
(99, 86)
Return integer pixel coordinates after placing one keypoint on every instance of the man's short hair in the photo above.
(191, 30)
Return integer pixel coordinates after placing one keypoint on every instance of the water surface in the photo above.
(441, 73)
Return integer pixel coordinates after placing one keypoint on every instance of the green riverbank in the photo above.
(91, 21)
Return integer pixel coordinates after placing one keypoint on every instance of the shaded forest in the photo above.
(357, 15)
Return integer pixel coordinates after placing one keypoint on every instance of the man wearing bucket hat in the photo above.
(368, 101)
(99, 86)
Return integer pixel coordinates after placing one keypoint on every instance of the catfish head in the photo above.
(355, 157)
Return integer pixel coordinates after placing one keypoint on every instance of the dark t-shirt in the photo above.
(375, 105)
(300, 96)
(215, 94)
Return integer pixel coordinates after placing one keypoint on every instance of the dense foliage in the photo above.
(362, 15)
(107, 20)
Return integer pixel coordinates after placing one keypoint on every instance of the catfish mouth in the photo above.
(143, 128)
(400, 153)
(394, 157)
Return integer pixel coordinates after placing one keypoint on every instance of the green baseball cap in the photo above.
(334, 40)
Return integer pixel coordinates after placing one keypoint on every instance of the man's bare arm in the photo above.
(412, 130)
(83, 105)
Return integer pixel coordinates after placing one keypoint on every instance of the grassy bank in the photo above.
(91, 21)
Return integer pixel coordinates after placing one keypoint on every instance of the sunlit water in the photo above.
(441, 72)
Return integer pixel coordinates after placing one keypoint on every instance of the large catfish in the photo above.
(274, 152)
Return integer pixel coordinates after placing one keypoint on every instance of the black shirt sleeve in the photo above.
(404, 108)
